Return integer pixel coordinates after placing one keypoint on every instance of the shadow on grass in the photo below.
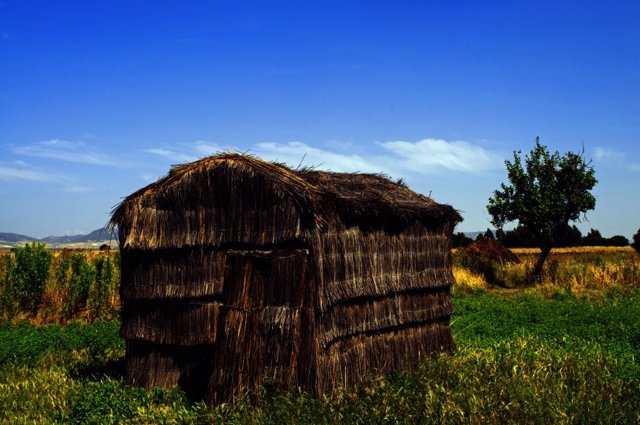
(95, 371)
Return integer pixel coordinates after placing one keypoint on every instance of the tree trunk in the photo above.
(537, 270)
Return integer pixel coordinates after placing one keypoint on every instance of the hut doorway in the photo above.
(260, 325)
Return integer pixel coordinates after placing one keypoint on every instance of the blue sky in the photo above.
(98, 99)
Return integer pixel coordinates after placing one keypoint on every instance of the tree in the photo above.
(545, 193)
(518, 238)
(570, 236)
(636, 241)
(460, 240)
(593, 238)
(617, 240)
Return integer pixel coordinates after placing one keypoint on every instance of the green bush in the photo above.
(84, 275)
(98, 301)
(8, 301)
(74, 277)
(30, 275)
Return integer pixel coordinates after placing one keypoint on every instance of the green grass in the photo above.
(28, 345)
(611, 320)
(522, 358)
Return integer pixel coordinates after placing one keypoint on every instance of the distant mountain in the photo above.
(473, 235)
(15, 237)
(97, 235)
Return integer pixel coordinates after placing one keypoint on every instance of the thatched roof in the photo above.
(234, 197)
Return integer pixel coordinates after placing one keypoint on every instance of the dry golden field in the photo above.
(573, 269)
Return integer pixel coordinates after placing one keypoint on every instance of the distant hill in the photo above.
(15, 237)
(98, 235)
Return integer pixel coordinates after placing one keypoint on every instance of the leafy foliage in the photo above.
(544, 195)
(8, 299)
(636, 241)
(100, 291)
(30, 275)
(81, 275)
(567, 237)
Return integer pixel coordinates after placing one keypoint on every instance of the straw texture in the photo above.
(238, 273)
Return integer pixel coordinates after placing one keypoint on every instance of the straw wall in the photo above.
(238, 273)
(243, 327)
(349, 360)
(149, 365)
(352, 264)
(383, 301)
(260, 334)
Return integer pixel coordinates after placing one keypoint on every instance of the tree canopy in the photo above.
(546, 191)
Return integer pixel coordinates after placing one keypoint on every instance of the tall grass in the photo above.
(75, 284)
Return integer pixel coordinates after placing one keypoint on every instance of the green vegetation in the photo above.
(31, 345)
(520, 237)
(25, 278)
(544, 194)
(46, 286)
(557, 353)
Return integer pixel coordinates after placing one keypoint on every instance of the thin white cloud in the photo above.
(396, 158)
(206, 148)
(602, 154)
(297, 153)
(64, 150)
(176, 157)
(73, 188)
(429, 155)
(635, 166)
(21, 171)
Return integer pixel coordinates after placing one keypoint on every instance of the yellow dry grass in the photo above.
(575, 269)
(468, 279)
(576, 250)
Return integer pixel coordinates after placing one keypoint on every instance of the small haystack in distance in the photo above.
(238, 273)
(490, 249)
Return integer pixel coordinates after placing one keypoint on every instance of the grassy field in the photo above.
(563, 352)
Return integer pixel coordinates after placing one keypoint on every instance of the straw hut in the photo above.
(238, 273)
